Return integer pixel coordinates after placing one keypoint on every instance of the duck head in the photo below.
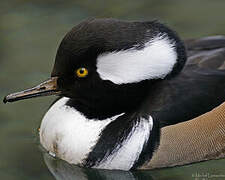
(108, 66)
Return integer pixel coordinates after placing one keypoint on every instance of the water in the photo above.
(30, 32)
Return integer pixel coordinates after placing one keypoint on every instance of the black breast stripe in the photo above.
(113, 137)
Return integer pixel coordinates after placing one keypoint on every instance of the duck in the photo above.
(133, 95)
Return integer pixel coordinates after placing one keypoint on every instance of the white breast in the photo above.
(68, 134)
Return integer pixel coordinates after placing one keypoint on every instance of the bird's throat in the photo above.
(106, 107)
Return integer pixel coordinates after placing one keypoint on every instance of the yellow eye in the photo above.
(82, 72)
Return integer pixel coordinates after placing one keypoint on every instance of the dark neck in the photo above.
(111, 103)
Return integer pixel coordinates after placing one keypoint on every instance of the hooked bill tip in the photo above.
(5, 100)
(8, 98)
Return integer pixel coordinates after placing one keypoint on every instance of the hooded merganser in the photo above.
(119, 83)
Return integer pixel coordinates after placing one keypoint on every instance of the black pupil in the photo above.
(81, 71)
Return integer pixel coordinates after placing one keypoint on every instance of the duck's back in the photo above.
(206, 53)
(199, 88)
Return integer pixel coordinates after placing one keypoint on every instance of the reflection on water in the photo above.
(62, 170)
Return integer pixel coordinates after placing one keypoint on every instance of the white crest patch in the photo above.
(125, 156)
(68, 134)
(154, 61)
